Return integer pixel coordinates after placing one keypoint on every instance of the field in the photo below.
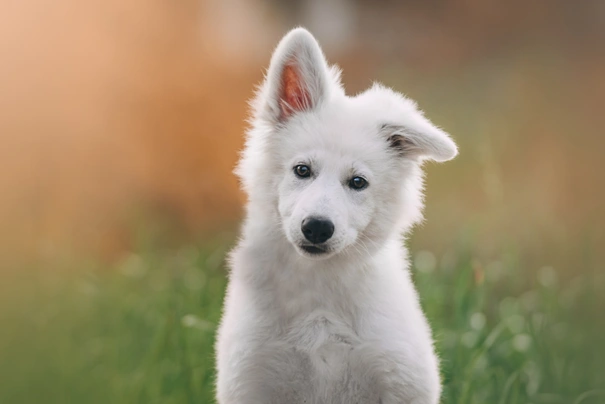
(142, 331)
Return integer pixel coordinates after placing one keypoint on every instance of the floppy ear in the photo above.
(420, 139)
(297, 79)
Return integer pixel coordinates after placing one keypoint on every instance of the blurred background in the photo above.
(120, 123)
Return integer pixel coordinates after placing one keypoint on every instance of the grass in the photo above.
(142, 332)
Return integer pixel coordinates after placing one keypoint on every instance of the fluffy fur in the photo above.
(343, 325)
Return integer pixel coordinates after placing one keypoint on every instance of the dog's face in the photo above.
(343, 170)
(328, 190)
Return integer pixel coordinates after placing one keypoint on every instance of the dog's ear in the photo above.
(420, 140)
(297, 79)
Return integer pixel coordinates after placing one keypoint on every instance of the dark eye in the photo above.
(358, 183)
(302, 171)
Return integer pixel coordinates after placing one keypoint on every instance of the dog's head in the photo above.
(339, 173)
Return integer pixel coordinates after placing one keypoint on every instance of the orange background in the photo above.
(123, 120)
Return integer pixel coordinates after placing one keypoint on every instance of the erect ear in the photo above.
(297, 79)
(420, 139)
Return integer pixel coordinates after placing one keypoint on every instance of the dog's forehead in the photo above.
(340, 135)
(342, 139)
(344, 126)
(341, 152)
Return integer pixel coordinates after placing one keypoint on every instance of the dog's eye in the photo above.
(302, 171)
(358, 183)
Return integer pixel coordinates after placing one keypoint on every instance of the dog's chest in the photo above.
(331, 349)
(325, 337)
(324, 348)
(322, 325)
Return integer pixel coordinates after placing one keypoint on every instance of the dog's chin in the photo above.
(314, 252)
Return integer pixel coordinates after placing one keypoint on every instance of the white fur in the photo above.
(346, 326)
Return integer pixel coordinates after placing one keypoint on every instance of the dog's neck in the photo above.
(292, 285)
(295, 285)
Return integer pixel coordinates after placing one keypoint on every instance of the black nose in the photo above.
(317, 230)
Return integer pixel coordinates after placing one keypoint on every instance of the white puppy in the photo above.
(320, 308)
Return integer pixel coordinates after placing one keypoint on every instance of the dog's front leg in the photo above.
(409, 384)
(273, 373)
(399, 377)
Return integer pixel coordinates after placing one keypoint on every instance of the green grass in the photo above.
(142, 332)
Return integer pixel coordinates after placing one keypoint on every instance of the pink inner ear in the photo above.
(294, 97)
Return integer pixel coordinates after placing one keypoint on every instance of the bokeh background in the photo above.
(120, 123)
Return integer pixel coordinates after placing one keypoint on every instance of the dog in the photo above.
(320, 307)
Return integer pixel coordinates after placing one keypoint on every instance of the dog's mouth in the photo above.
(313, 249)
